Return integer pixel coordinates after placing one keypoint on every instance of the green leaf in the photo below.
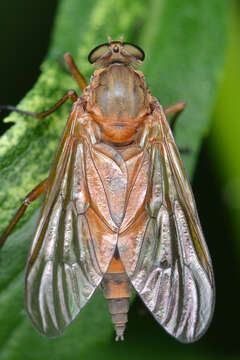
(224, 136)
(184, 43)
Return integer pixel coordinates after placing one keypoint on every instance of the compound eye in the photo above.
(134, 50)
(97, 52)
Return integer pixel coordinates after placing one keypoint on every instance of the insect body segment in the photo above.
(118, 101)
(118, 211)
(116, 289)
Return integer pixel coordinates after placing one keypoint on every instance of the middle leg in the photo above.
(175, 109)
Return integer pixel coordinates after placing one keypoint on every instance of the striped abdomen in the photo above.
(116, 289)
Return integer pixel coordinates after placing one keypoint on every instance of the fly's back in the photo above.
(120, 94)
(117, 97)
(118, 101)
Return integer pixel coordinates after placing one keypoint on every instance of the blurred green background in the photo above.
(192, 53)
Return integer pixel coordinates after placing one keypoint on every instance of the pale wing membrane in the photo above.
(173, 273)
(62, 272)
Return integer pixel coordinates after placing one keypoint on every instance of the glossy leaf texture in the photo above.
(184, 43)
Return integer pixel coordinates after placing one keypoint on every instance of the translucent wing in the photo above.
(64, 267)
(171, 267)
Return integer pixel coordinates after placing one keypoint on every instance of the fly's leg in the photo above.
(71, 94)
(175, 109)
(33, 195)
(75, 72)
(38, 190)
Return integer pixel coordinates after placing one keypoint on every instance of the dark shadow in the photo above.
(25, 30)
(223, 332)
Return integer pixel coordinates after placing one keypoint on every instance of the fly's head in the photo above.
(116, 52)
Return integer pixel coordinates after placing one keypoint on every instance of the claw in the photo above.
(119, 337)
(119, 331)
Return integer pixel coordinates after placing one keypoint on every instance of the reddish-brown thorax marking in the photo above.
(118, 101)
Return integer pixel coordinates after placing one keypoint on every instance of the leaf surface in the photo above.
(184, 42)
